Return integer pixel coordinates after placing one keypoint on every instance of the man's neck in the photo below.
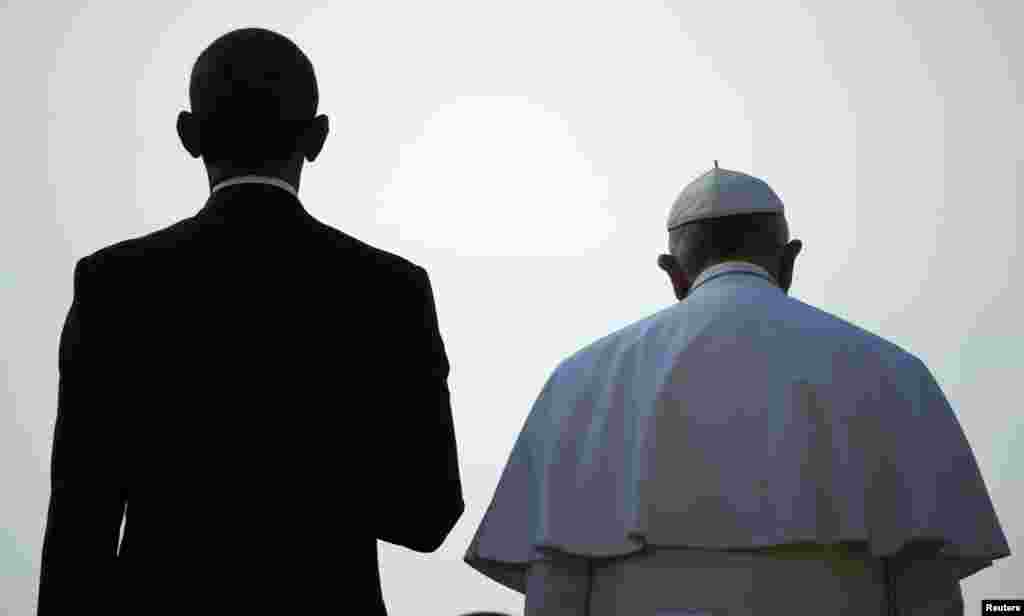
(289, 173)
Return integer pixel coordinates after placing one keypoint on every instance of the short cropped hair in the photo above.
(702, 243)
(254, 93)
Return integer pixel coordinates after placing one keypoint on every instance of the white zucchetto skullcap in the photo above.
(721, 192)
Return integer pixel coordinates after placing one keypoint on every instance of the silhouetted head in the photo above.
(254, 97)
(762, 239)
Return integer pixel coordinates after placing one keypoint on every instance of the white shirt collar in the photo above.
(256, 179)
(728, 267)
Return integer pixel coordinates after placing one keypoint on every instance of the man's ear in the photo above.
(313, 140)
(188, 132)
(680, 282)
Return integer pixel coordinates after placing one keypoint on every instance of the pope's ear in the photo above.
(789, 254)
(680, 282)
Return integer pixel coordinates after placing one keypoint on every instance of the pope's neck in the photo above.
(724, 264)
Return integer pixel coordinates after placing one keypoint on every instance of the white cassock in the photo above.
(739, 418)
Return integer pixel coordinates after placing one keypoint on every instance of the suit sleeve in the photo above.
(87, 495)
(420, 499)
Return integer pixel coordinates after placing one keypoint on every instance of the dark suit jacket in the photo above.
(268, 397)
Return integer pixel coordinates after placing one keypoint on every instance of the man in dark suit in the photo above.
(268, 394)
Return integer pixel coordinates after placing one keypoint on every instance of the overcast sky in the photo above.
(526, 154)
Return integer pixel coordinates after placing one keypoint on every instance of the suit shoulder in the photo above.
(379, 261)
(129, 249)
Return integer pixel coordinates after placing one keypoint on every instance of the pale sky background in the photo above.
(526, 154)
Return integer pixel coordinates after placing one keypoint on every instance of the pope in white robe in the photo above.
(739, 452)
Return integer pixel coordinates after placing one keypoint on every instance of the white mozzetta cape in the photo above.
(738, 418)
